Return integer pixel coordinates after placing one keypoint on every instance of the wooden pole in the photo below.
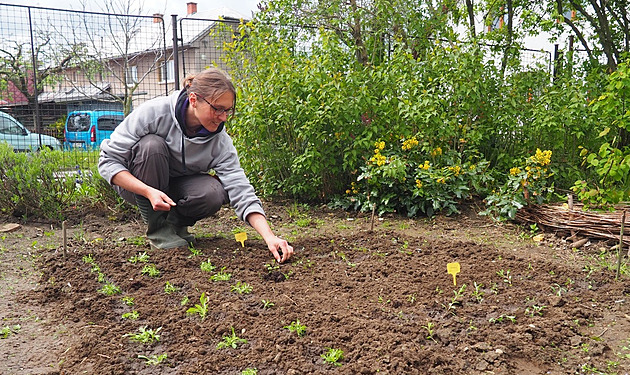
(623, 221)
(373, 212)
(65, 237)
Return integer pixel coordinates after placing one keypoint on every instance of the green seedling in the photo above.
(250, 371)
(134, 315)
(194, 252)
(184, 301)
(144, 335)
(478, 293)
(503, 317)
(242, 288)
(137, 240)
(458, 294)
(201, 308)
(296, 327)
(271, 268)
(153, 360)
(127, 300)
(333, 356)
(207, 266)
(170, 288)
(558, 289)
(221, 276)
(535, 310)
(430, 329)
(8, 330)
(231, 341)
(139, 258)
(267, 304)
(506, 276)
(150, 270)
(109, 289)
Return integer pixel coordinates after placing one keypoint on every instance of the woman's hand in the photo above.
(279, 247)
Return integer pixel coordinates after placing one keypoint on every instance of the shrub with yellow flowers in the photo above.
(527, 183)
(415, 177)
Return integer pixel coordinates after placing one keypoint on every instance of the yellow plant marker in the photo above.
(241, 237)
(453, 269)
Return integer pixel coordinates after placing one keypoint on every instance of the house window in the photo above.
(132, 75)
(167, 71)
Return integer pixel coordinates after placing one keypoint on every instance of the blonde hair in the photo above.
(210, 83)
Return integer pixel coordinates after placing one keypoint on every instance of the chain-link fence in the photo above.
(68, 77)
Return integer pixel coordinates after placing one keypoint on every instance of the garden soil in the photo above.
(375, 288)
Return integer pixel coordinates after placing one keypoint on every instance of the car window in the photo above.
(79, 123)
(109, 122)
(8, 126)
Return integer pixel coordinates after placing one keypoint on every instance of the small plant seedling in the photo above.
(231, 341)
(194, 252)
(127, 300)
(242, 288)
(206, 266)
(267, 304)
(478, 293)
(535, 310)
(170, 288)
(250, 371)
(153, 360)
(150, 270)
(200, 308)
(506, 276)
(109, 289)
(221, 276)
(295, 326)
(429, 328)
(139, 258)
(133, 315)
(333, 356)
(458, 294)
(137, 240)
(503, 317)
(184, 301)
(144, 335)
(8, 330)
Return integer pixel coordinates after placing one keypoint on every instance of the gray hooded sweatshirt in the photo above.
(202, 154)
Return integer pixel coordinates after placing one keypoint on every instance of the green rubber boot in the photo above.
(160, 233)
(181, 226)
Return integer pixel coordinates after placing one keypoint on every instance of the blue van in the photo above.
(87, 129)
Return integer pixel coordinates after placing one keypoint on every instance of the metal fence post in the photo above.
(175, 50)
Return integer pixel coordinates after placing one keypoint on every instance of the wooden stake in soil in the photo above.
(373, 212)
(65, 237)
(623, 221)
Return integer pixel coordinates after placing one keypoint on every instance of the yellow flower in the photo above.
(542, 157)
(409, 143)
(436, 151)
(515, 171)
(455, 169)
(378, 159)
(426, 165)
(419, 184)
(379, 145)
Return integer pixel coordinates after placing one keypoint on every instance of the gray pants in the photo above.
(197, 196)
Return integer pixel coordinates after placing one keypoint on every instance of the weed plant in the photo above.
(8, 330)
(295, 326)
(200, 308)
(221, 275)
(150, 270)
(153, 359)
(206, 266)
(241, 288)
(139, 258)
(170, 288)
(144, 335)
(133, 315)
(231, 341)
(332, 356)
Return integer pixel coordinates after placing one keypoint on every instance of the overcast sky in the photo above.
(166, 7)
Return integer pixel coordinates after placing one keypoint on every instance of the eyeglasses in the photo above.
(219, 111)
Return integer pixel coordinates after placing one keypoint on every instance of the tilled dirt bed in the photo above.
(378, 290)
